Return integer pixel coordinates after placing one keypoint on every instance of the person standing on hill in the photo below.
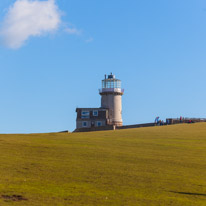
(180, 119)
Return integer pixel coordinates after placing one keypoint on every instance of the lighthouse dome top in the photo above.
(111, 76)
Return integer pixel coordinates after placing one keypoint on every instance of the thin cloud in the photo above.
(29, 18)
(73, 31)
(89, 40)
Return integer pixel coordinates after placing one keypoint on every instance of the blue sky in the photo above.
(157, 48)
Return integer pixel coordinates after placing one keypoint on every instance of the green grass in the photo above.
(158, 166)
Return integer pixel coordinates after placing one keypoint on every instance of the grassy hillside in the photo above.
(158, 166)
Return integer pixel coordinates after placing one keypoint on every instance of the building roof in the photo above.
(91, 109)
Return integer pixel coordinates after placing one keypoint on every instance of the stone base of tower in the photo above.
(118, 124)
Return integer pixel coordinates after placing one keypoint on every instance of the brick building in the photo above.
(91, 117)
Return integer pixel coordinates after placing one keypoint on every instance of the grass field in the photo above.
(158, 166)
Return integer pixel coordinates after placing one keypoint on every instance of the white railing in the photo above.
(111, 90)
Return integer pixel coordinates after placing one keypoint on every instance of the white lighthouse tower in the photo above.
(111, 99)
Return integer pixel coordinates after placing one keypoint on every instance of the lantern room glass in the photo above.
(111, 83)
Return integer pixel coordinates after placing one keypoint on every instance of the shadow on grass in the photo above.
(188, 193)
(13, 198)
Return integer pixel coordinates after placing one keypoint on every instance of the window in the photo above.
(95, 113)
(84, 124)
(99, 124)
(85, 115)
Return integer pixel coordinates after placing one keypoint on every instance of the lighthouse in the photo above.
(111, 99)
(110, 112)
